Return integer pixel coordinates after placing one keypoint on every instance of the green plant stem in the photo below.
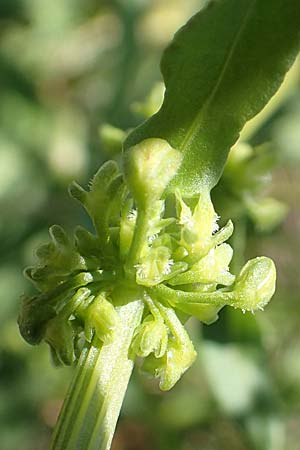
(92, 406)
(177, 297)
(139, 239)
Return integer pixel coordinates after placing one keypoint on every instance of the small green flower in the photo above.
(60, 337)
(247, 172)
(255, 284)
(149, 167)
(178, 356)
(151, 337)
(101, 318)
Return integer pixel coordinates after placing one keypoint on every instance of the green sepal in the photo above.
(212, 268)
(255, 285)
(60, 336)
(97, 199)
(149, 167)
(198, 226)
(179, 356)
(223, 234)
(157, 266)
(56, 261)
(115, 193)
(76, 302)
(33, 317)
(180, 353)
(89, 246)
(101, 318)
(156, 223)
(150, 337)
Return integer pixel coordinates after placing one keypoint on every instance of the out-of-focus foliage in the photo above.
(66, 68)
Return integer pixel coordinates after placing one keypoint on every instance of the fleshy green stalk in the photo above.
(92, 406)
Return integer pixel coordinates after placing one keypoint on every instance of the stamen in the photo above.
(141, 270)
(152, 238)
(167, 268)
(215, 226)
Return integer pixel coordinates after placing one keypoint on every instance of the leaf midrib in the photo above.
(195, 123)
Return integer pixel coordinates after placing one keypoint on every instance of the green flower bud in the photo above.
(248, 169)
(211, 269)
(60, 336)
(179, 356)
(199, 227)
(89, 246)
(149, 167)
(112, 138)
(152, 103)
(150, 337)
(56, 261)
(176, 360)
(33, 318)
(97, 202)
(156, 266)
(255, 285)
(155, 221)
(266, 213)
(224, 234)
(102, 318)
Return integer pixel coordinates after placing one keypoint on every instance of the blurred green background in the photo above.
(67, 67)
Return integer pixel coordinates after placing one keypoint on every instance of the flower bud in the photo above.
(56, 261)
(152, 103)
(60, 336)
(155, 265)
(212, 269)
(255, 285)
(266, 213)
(150, 337)
(112, 138)
(149, 167)
(199, 228)
(33, 318)
(177, 359)
(101, 317)
(97, 199)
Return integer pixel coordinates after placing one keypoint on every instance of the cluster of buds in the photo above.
(244, 183)
(150, 244)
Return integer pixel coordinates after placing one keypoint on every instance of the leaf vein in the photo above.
(192, 129)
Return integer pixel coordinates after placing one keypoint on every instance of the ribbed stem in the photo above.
(92, 406)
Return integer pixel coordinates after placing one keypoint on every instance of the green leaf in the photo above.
(220, 70)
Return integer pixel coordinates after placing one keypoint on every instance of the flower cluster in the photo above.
(150, 244)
